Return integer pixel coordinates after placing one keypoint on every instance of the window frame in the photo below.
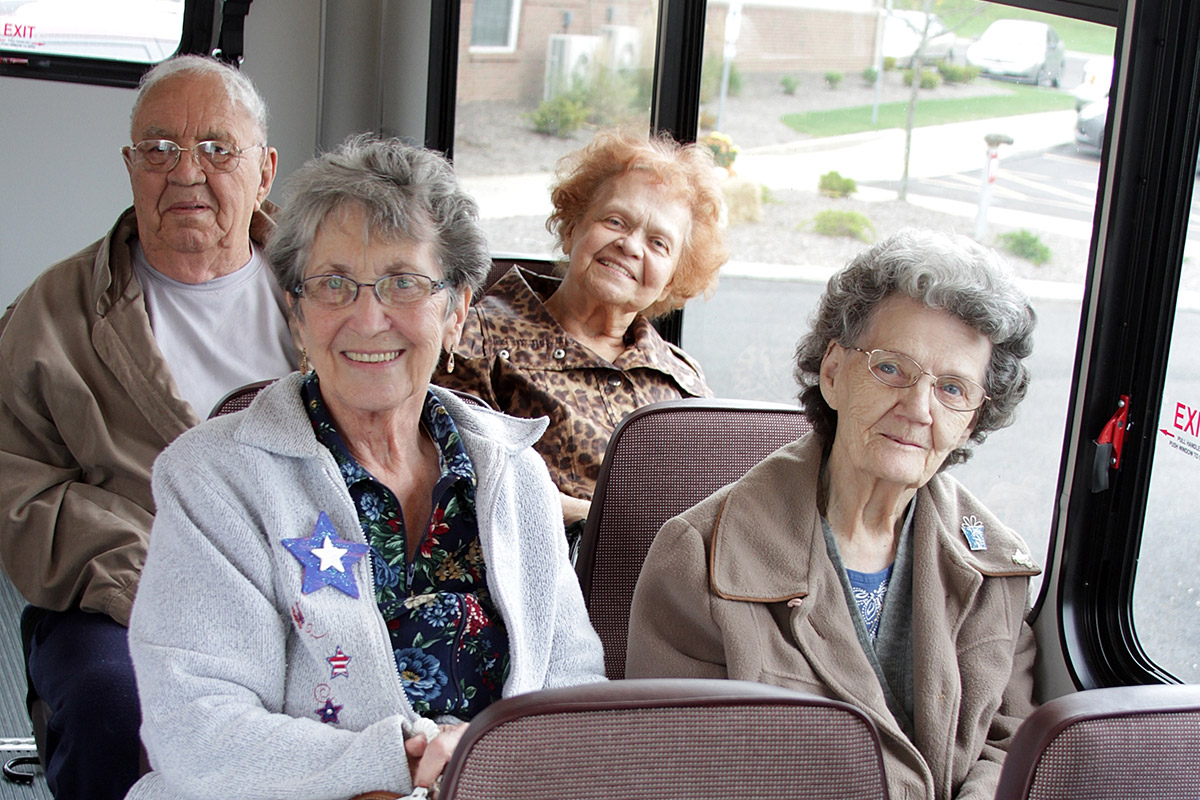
(199, 24)
(1141, 218)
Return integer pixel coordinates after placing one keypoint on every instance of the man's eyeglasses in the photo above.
(161, 155)
(900, 372)
(337, 291)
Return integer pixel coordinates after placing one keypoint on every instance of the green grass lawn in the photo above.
(1020, 100)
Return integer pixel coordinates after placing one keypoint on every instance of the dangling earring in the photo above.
(450, 361)
(305, 368)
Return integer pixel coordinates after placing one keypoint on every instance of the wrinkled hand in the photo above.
(427, 760)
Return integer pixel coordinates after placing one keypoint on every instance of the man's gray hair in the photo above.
(941, 271)
(239, 89)
(405, 192)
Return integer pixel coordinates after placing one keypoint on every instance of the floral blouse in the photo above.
(449, 641)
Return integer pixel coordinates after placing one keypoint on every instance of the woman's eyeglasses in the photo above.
(337, 291)
(900, 372)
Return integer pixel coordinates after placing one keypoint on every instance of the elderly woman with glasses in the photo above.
(342, 575)
(849, 564)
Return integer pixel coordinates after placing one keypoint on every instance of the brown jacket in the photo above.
(86, 404)
(712, 601)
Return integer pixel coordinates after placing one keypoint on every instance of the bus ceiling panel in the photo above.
(1146, 204)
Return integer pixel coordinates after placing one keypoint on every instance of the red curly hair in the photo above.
(687, 169)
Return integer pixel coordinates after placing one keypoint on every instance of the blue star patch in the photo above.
(329, 712)
(327, 558)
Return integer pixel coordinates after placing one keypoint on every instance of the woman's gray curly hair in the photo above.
(405, 192)
(941, 271)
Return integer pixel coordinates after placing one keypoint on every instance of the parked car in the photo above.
(1021, 49)
(902, 31)
(1089, 124)
(1097, 78)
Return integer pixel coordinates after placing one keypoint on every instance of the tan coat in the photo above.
(87, 403)
(712, 602)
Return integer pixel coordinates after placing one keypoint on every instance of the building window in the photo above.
(494, 24)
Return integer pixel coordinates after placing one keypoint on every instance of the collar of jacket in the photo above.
(767, 543)
(112, 278)
(276, 422)
(533, 339)
(122, 326)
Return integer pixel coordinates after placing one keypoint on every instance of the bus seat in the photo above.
(501, 264)
(239, 398)
(667, 738)
(1128, 742)
(661, 460)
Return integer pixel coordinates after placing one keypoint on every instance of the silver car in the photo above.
(1022, 49)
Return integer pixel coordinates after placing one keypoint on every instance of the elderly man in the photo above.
(104, 360)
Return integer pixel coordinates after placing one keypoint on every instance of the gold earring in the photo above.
(305, 368)
(450, 361)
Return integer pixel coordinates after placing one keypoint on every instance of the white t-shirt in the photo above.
(221, 334)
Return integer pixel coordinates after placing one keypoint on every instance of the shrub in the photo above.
(889, 63)
(869, 75)
(930, 78)
(1026, 245)
(847, 224)
(833, 78)
(561, 115)
(789, 83)
(832, 184)
(954, 73)
(611, 99)
(724, 151)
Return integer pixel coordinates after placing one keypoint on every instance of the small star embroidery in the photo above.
(325, 556)
(329, 712)
(340, 663)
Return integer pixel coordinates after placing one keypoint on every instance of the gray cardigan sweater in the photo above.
(236, 667)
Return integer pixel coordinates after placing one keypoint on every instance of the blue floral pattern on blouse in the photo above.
(448, 639)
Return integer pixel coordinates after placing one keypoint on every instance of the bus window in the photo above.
(1166, 590)
(519, 108)
(808, 109)
(137, 31)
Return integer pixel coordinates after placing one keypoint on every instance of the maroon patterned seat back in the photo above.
(1124, 743)
(695, 739)
(239, 398)
(662, 460)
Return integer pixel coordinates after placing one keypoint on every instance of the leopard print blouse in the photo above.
(516, 358)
